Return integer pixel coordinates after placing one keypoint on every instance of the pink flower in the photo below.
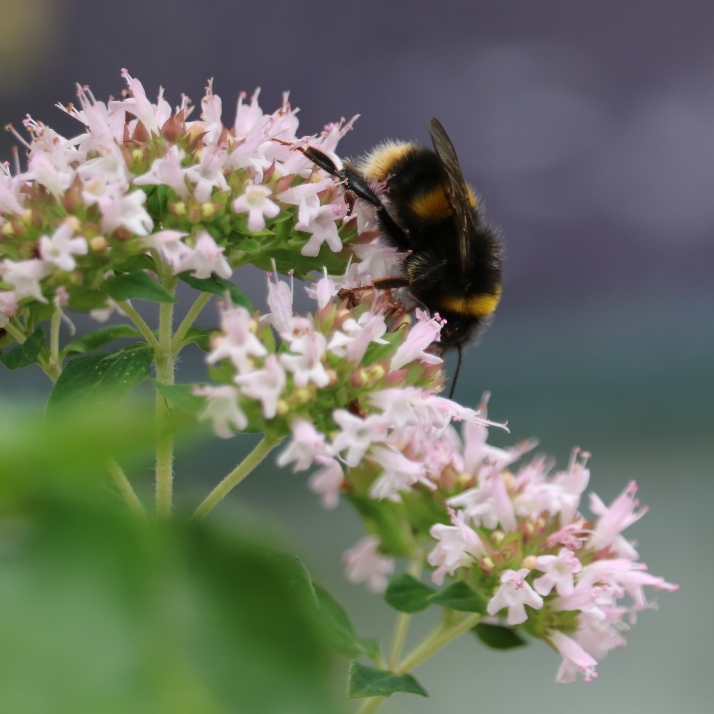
(305, 197)
(206, 258)
(327, 481)
(356, 336)
(238, 342)
(575, 658)
(305, 362)
(208, 173)
(559, 571)
(222, 410)
(280, 302)
(424, 333)
(61, 248)
(363, 563)
(170, 247)
(257, 205)
(613, 520)
(167, 170)
(305, 446)
(400, 473)
(323, 228)
(488, 504)
(515, 593)
(138, 105)
(24, 276)
(8, 306)
(10, 195)
(324, 291)
(266, 385)
(459, 545)
(357, 434)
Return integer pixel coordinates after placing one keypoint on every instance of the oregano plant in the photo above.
(148, 196)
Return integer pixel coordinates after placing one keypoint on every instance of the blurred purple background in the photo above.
(588, 130)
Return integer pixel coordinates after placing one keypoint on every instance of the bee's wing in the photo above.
(457, 193)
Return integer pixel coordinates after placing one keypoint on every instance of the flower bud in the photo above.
(172, 128)
(281, 408)
(530, 562)
(137, 154)
(8, 229)
(140, 133)
(194, 214)
(73, 222)
(486, 564)
(358, 379)
(208, 210)
(302, 395)
(98, 244)
(497, 537)
(178, 208)
(27, 216)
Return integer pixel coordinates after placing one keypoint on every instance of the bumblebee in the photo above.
(427, 211)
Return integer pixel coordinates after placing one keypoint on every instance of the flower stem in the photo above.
(264, 447)
(165, 359)
(125, 487)
(190, 318)
(54, 339)
(15, 333)
(404, 619)
(140, 323)
(450, 628)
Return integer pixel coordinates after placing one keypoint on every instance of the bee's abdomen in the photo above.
(479, 305)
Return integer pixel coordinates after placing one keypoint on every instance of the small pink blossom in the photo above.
(167, 170)
(323, 228)
(170, 247)
(280, 302)
(356, 336)
(324, 291)
(613, 520)
(61, 248)
(222, 410)
(238, 342)
(459, 545)
(305, 197)
(306, 444)
(488, 504)
(400, 473)
(420, 337)
(8, 306)
(138, 105)
(357, 434)
(305, 360)
(514, 593)
(364, 562)
(257, 205)
(208, 173)
(265, 385)
(575, 658)
(24, 276)
(206, 258)
(559, 572)
(327, 481)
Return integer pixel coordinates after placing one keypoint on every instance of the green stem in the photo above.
(404, 619)
(140, 323)
(165, 359)
(190, 318)
(125, 488)
(54, 339)
(451, 628)
(15, 333)
(264, 447)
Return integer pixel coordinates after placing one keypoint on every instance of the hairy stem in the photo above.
(125, 488)
(452, 626)
(165, 359)
(140, 323)
(187, 322)
(264, 447)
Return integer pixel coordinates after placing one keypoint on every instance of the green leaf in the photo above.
(157, 203)
(27, 353)
(218, 286)
(459, 596)
(86, 300)
(498, 637)
(136, 284)
(102, 377)
(376, 352)
(181, 396)
(406, 594)
(105, 613)
(287, 259)
(370, 682)
(338, 629)
(99, 338)
(200, 337)
(138, 262)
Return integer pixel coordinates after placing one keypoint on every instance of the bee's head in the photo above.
(458, 329)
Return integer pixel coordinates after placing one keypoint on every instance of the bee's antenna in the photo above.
(456, 374)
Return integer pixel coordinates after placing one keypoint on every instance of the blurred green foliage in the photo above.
(106, 612)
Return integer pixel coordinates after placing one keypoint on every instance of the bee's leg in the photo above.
(353, 295)
(390, 283)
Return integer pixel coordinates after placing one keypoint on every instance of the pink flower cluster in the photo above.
(81, 206)
(520, 538)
